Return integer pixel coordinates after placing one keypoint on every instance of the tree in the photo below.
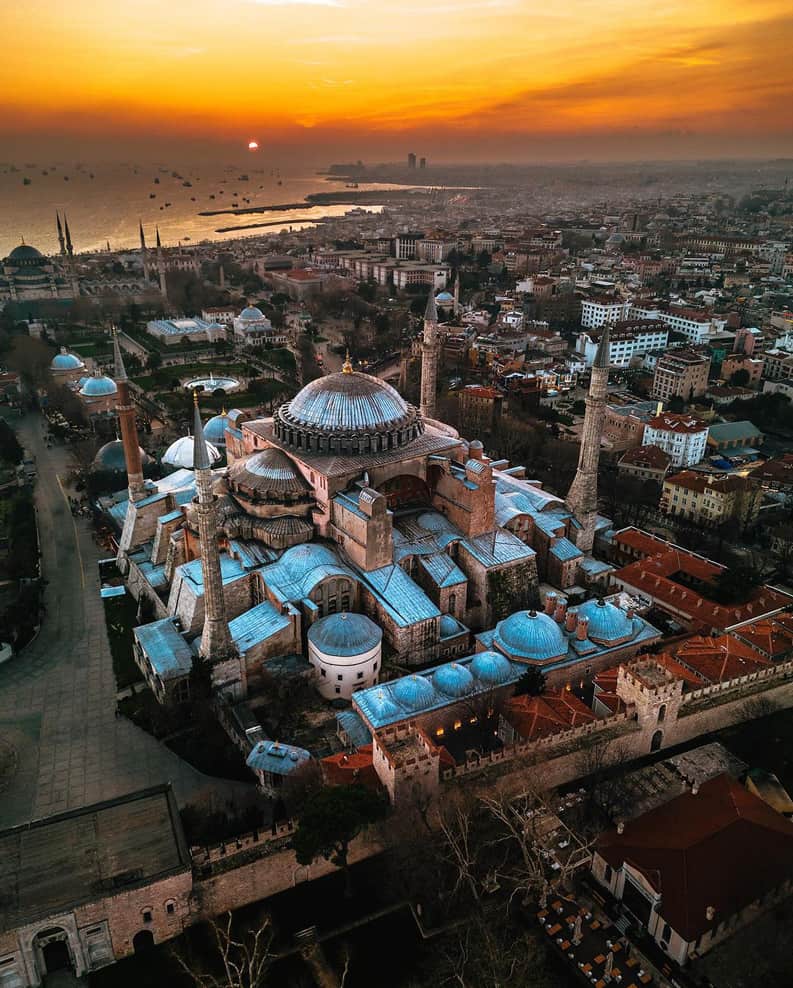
(243, 957)
(331, 821)
(154, 360)
(285, 699)
(31, 358)
(531, 683)
(740, 378)
(10, 450)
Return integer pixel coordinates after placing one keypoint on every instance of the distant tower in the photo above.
(221, 277)
(61, 242)
(216, 643)
(422, 162)
(69, 248)
(411, 160)
(143, 251)
(429, 358)
(161, 267)
(457, 295)
(582, 498)
(129, 434)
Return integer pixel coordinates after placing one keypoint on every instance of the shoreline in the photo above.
(363, 198)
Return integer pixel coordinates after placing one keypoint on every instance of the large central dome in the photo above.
(347, 412)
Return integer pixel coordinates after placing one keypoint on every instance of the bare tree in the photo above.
(243, 958)
(456, 823)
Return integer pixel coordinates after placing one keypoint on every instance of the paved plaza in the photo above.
(58, 696)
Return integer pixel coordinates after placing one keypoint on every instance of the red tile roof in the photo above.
(773, 637)
(535, 717)
(680, 423)
(348, 768)
(693, 480)
(716, 660)
(651, 457)
(722, 848)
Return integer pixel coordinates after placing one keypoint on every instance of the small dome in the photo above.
(111, 457)
(607, 623)
(381, 705)
(252, 314)
(98, 386)
(66, 361)
(444, 297)
(453, 680)
(25, 253)
(491, 668)
(414, 692)
(529, 635)
(215, 429)
(449, 626)
(268, 470)
(345, 634)
(181, 453)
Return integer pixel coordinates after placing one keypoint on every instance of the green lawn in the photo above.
(120, 614)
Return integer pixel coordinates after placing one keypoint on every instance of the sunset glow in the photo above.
(365, 71)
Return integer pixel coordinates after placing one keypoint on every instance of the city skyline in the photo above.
(314, 77)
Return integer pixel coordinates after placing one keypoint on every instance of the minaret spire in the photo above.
(456, 309)
(129, 432)
(61, 242)
(429, 358)
(161, 267)
(69, 248)
(582, 498)
(216, 642)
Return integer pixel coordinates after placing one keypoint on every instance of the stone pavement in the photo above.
(58, 696)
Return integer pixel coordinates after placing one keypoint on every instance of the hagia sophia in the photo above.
(352, 528)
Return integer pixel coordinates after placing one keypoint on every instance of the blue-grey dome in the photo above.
(26, 254)
(98, 386)
(111, 457)
(491, 668)
(607, 623)
(444, 297)
(345, 634)
(414, 692)
(453, 680)
(529, 635)
(336, 413)
(380, 707)
(66, 361)
(215, 429)
(181, 453)
(252, 314)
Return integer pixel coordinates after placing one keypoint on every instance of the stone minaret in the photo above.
(161, 267)
(61, 242)
(69, 247)
(429, 359)
(216, 644)
(143, 251)
(582, 498)
(457, 295)
(129, 434)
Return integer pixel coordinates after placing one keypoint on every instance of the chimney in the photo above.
(630, 611)
(571, 621)
(582, 628)
(550, 602)
(561, 608)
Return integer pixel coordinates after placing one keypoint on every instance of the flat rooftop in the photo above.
(59, 862)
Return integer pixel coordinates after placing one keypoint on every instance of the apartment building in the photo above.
(627, 339)
(710, 500)
(597, 312)
(683, 437)
(681, 373)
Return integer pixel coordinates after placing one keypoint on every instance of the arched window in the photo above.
(661, 713)
(452, 602)
(657, 741)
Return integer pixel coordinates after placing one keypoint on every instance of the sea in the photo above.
(104, 203)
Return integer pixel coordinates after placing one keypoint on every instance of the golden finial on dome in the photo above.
(347, 366)
(195, 398)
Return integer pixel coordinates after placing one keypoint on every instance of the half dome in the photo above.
(348, 412)
(215, 429)
(268, 470)
(529, 635)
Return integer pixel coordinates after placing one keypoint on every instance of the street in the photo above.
(58, 696)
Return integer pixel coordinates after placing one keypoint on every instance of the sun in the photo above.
(253, 145)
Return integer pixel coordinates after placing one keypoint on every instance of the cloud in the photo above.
(298, 3)
(330, 39)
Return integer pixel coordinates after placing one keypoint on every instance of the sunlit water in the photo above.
(107, 208)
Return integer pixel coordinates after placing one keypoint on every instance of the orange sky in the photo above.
(461, 78)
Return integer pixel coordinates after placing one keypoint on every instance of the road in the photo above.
(58, 696)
